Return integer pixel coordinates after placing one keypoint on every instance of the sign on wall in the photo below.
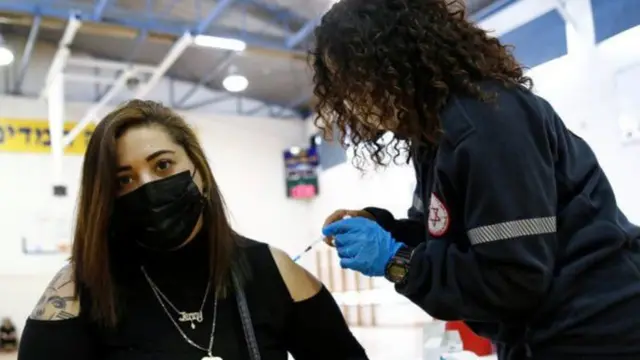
(301, 173)
(33, 136)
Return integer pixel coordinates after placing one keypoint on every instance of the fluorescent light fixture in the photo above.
(235, 83)
(220, 43)
(6, 56)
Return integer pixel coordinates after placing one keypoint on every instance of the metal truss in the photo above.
(150, 20)
(298, 32)
(242, 108)
(157, 21)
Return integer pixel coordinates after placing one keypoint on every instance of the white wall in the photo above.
(246, 157)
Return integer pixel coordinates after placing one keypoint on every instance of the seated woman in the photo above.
(8, 337)
(156, 271)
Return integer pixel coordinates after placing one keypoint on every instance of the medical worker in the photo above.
(514, 227)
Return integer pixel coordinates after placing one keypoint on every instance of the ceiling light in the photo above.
(6, 56)
(220, 43)
(235, 83)
(294, 150)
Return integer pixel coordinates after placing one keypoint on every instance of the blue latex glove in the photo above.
(362, 245)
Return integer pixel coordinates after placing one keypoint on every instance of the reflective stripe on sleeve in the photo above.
(417, 203)
(512, 229)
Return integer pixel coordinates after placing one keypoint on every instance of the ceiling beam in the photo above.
(302, 34)
(220, 7)
(26, 54)
(220, 66)
(101, 5)
(170, 58)
(167, 32)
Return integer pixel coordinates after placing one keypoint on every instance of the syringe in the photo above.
(307, 249)
(313, 244)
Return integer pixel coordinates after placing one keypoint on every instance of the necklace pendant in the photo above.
(183, 317)
(211, 358)
(191, 317)
(193, 326)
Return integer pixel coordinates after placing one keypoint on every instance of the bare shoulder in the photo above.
(58, 302)
(301, 284)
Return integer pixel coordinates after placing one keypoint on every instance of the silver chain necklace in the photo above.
(159, 297)
(184, 316)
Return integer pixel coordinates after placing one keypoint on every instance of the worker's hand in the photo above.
(341, 214)
(362, 245)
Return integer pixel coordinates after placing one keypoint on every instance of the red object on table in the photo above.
(470, 341)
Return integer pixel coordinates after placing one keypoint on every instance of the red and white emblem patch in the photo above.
(438, 217)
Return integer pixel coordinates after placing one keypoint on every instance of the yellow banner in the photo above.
(33, 136)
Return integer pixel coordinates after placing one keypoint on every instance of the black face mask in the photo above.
(159, 215)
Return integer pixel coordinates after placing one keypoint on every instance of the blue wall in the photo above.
(612, 17)
(544, 38)
(538, 41)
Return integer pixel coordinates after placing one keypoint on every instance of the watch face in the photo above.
(396, 272)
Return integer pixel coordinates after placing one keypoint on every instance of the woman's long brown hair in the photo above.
(90, 254)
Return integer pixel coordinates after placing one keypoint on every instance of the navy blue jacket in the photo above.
(516, 231)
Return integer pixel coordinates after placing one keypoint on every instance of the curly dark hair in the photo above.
(392, 65)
